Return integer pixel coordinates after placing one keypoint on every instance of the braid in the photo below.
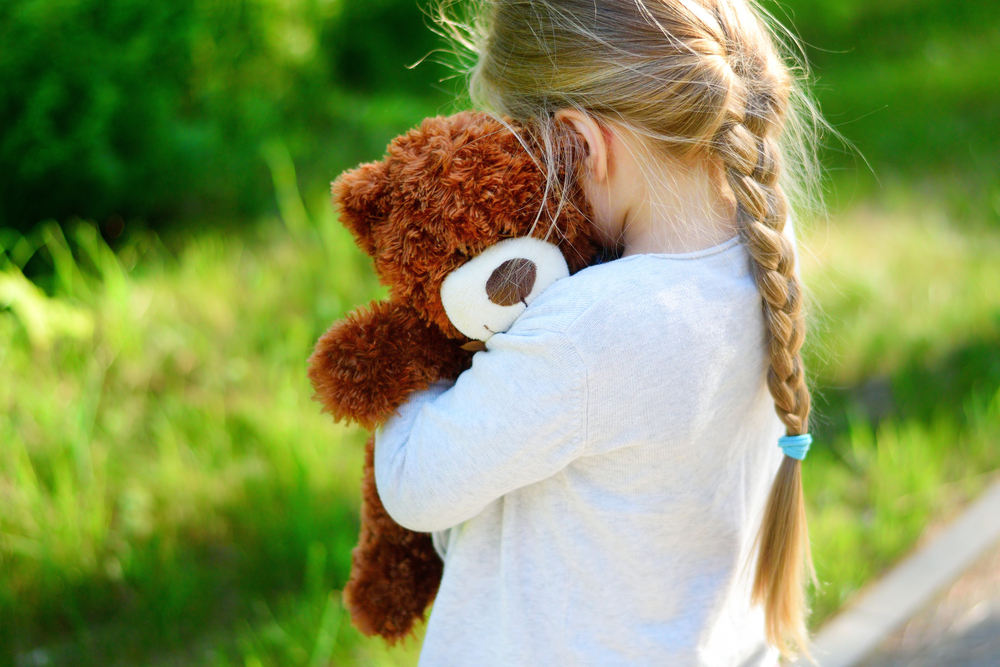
(750, 155)
(761, 214)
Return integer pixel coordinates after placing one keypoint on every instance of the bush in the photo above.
(160, 110)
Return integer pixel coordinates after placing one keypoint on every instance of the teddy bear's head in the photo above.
(445, 193)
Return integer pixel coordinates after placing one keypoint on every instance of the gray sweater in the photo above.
(600, 473)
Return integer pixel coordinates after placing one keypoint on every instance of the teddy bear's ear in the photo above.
(360, 195)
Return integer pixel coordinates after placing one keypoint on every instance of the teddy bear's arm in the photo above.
(368, 363)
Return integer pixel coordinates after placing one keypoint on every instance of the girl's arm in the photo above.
(516, 417)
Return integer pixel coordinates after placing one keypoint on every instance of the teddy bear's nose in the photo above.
(511, 282)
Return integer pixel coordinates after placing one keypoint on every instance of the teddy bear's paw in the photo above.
(488, 293)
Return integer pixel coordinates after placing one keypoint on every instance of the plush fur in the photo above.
(443, 193)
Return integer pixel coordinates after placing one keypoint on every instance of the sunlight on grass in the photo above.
(170, 494)
(891, 289)
(893, 285)
(159, 437)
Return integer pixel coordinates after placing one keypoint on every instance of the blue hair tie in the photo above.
(795, 446)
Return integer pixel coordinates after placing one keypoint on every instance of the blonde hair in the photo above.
(695, 78)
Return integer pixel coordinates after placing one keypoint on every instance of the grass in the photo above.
(165, 480)
(895, 284)
(873, 492)
(170, 495)
(905, 356)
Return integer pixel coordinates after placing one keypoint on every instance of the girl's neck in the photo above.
(683, 208)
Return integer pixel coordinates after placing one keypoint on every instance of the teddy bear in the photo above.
(465, 230)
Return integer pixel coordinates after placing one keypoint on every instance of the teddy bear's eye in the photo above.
(486, 294)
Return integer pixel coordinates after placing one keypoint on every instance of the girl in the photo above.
(607, 477)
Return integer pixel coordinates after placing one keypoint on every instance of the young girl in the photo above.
(617, 476)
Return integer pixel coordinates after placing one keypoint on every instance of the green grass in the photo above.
(905, 355)
(165, 480)
(170, 495)
(873, 492)
(893, 283)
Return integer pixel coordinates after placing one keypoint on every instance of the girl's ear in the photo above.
(596, 137)
(360, 194)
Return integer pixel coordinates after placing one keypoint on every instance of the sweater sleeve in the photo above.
(517, 416)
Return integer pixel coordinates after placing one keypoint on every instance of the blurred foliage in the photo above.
(871, 318)
(128, 109)
(913, 86)
(904, 355)
(874, 491)
(138, 108)
(163, 469)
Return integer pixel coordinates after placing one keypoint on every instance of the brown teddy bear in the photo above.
(443, 195)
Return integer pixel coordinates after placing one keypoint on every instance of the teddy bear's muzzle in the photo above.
(488, 293)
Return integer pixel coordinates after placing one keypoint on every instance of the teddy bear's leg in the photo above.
(395, 572)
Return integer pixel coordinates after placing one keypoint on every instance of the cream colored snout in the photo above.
(486, 294)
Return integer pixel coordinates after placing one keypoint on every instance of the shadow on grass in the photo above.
(172, 593)
(919, 390)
